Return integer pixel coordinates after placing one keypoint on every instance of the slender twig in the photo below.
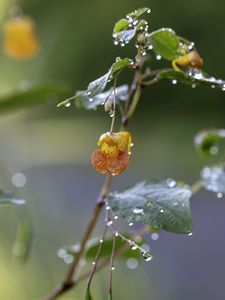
(114, 107)
(111, 266)
(97, 257)
(197, 186)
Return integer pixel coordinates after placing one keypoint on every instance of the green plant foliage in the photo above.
(165, 43)
(192, 77)
(36, 94)
(97, 86)
(88, 295)
(126, 29)
(93, 244)
(214, 179)
(8, 199)
(83, 100)
(207, 142)
(22, 243)
(160, 204)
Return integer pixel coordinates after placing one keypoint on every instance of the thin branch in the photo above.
(111, 266)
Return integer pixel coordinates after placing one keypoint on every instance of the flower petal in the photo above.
(99, 161)
(119, 164)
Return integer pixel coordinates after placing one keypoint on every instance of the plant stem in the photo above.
(111, 267)
(69, 281)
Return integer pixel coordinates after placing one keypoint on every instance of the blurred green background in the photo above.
(51, 146)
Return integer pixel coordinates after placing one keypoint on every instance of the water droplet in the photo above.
(150, 47)
(190, 234)
(213, 86)
(138, 210)
(132, 263)
(219, 195)
(68, 259)
(132, 144)
(158, 57)
(116, 43)
(171, 182)
(214, 150)
(93, 263)
(148, 258)
(122, 44)
(131, 224)
(113, 268)
(148, 11)
(161, 210)
(193, 86)
(107, 207)
(115, 217)
(133, 246)
(19, 180)
(90, 99)
(116, 233)
(155, 236)
(174, 81)
(109, 223)
(101, 241)
(68, 104)
(129, 153)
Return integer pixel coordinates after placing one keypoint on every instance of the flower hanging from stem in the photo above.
(190, 60)
(114, 154)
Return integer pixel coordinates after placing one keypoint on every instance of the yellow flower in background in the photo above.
(20, 39)
(114, 154)
(190, 60)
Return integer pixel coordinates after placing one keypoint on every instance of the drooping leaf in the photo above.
(165, 43)
(92, 248)
(97, 86)
(214, 179)
(120, 64)
(8, 199)
(35, 94)
(107, 249)
(206, 142)
(84, 101)
(194, 78)
(160, 204)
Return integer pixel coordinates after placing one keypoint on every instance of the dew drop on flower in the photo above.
(131, 224)
(158, 57)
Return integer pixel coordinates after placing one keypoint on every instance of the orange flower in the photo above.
(191, 60)
(20, 40)
(114, 154)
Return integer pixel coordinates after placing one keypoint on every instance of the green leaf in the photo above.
(121, 25)
(214, 179)
(138, 12)
(159, 204)
(92, 248)
(107, 248)
(193, 77)
(125, 29)
(22, 244)
(98, 85)
(120, 64)
(98, 100)
(7, 199)
(165, 43)
(36, 94)
(88, 294)
(206, 142)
